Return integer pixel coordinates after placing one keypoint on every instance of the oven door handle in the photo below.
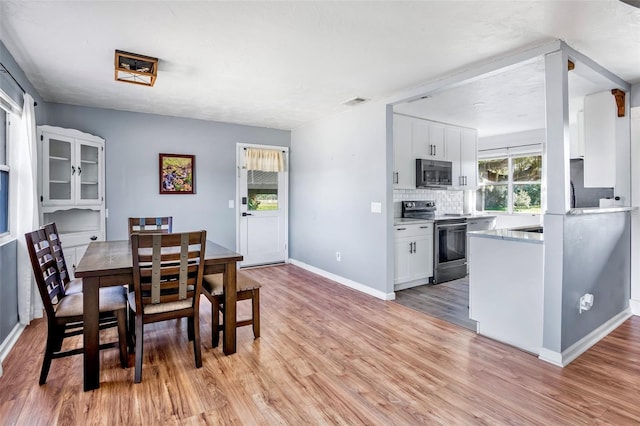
(451, 225)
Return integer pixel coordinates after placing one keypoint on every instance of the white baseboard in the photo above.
(581, 346)
(9, 342)
(634, 304)
(345, 281)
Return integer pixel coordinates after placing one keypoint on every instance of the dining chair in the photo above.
(167, 282)
(146, 225)
(70, 286)
(246, 288)
(65, 311)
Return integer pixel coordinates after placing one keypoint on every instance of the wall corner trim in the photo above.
(634, 304)
(344, 281)
(9, 342)
(581, 346)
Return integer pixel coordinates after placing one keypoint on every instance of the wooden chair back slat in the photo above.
(51, 231)
(43, 263)
(147, 225)
(167, 267)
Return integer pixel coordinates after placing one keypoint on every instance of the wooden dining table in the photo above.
(109, 263)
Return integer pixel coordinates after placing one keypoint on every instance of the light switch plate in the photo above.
(231, 204)
(376, 207)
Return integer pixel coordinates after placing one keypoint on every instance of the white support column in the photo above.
(558, 144)
(635, 217)
(558, 196)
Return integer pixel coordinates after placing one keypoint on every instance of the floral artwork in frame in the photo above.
(177, 174)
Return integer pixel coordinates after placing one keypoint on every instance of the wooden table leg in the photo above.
(90, 288)
(229, 334)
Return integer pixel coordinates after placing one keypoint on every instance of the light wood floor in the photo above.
(329, 355)
(448, 301)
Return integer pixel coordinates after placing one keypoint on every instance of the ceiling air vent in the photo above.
(355, 101)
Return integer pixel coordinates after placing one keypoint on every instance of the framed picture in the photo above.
(177, 174)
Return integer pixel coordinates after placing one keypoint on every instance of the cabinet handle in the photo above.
(79, 170)
(93, 237)
(401, 229)
(465, 180)
(73, 170)
(410, 247)
(424, 227)
(395, 177)
(414, 247)
(435, 152)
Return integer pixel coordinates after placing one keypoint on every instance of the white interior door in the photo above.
(263, 212)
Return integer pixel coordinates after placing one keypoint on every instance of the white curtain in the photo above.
(23, 184)
(266, 160)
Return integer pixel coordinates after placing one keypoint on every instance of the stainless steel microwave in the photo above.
(433, 173)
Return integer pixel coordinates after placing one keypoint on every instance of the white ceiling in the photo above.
(285, 64)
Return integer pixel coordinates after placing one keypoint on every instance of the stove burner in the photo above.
(425, 209)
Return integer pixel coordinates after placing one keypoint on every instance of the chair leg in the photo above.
(189, 328)
(215, 323)
(54, 343)
(121, 316)
(139, 338)
(131, 333)
(255, 312)
(195, 320)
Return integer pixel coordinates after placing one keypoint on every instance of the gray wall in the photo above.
(8, 289)
(635, 95)
(12, 90)
(596, 260)
(133, 142)
(338, 167)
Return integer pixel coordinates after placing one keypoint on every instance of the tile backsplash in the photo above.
(446, 201)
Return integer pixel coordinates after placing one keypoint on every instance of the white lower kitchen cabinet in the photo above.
(413, 255)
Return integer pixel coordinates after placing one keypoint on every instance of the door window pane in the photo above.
(262, 188)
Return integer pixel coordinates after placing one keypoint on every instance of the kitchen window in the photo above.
(510, 184)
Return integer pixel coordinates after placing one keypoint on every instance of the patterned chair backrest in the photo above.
(148, 225)
(44, 265)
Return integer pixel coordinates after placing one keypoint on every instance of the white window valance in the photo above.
(266, 160)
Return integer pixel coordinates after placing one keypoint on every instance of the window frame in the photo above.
(510, 182)
(4, 167)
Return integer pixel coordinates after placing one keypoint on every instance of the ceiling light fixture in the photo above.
(136, 69)
(355, 101)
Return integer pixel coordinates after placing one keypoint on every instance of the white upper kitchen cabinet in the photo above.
(428, 140)
(600, 140)
(404, 163)
(437, 144)
(72, 167)
(462, 152)
(469, 158)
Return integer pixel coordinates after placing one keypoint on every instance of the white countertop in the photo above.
(407, 221)
(507, 234)
(600, 210)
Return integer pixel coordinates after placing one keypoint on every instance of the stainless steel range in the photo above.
(450, 249)
(449, 240)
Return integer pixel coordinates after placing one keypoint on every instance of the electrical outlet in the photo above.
(338, 256)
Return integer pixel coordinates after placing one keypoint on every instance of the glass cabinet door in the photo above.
(88, 173)
(59, 169)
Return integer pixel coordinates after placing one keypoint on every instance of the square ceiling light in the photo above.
(136, 69)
